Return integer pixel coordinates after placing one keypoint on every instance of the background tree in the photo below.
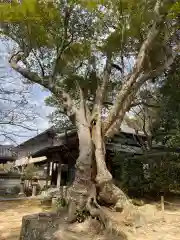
(156, 114)
(80, 52)
(17, 114)
(58, 118)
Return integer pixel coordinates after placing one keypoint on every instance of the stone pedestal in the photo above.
(21, 193)
(64, 192)
(54, 201)
(34, 187)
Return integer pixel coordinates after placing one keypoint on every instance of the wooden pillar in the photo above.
(59, 174)
(51, 170)
(47, 173)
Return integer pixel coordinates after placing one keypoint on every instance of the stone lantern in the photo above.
(21, 193)
(34, 186)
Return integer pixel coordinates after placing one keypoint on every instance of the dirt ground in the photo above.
(164, 229)
(165, 226)
(160, 226)
(11, 213)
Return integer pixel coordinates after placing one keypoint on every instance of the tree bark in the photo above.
(79, 192)
(108, 193)
(84, 161)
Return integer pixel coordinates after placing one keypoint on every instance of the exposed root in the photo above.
(111, 194)
(129, 219)
(97, 211)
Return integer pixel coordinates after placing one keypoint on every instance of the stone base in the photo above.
(41, 226)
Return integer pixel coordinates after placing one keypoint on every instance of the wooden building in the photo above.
(7, 154)
(7, 180)
(56, 154)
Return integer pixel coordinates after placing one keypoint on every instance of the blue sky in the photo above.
(35, 95)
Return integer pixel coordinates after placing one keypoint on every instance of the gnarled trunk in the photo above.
(84, 192)
(109, 193)
(79, 192)
(83, 176)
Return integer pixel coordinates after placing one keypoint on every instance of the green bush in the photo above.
(162, 176)
(30, 171)
(59, 204)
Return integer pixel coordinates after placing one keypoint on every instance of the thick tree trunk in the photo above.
(84, 162)
(109, 193)
(79, 192)
(103, 175)
(84, 192)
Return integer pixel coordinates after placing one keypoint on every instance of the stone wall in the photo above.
(9, 180)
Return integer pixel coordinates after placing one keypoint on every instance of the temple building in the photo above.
(56, 154)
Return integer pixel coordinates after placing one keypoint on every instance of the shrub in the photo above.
(30, 171)
(60, 203)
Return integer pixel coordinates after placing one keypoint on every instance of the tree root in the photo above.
(98, 212)
(128, 219)
(113, 195)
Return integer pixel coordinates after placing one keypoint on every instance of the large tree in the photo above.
(88, 53)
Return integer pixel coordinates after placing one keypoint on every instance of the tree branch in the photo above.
(63, 44)
(18, 125)
(100, 93)
(126, 105)
(40, 64)
(25, 72)
(145, 104)
(137, 78)
(46, 82)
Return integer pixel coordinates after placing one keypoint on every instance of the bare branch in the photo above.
(39, 62)
(12, 123)
(24, 71)
(46, 82)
